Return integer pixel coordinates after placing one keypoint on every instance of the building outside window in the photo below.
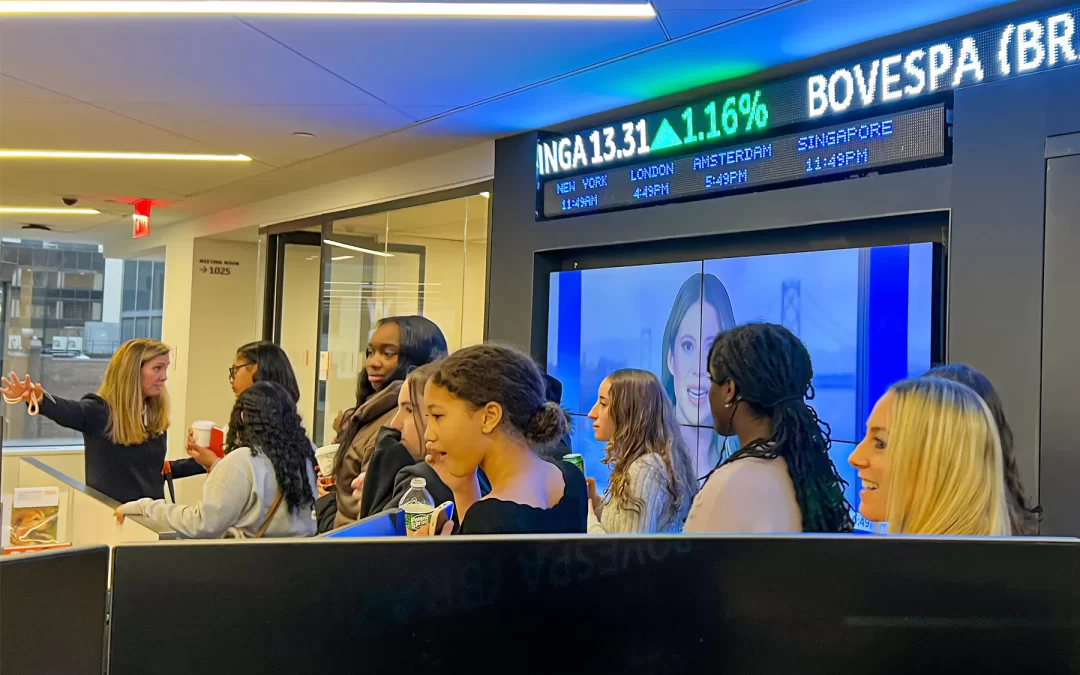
(65, 310)
(143, 299)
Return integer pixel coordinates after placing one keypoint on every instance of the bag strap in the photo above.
(269, 515)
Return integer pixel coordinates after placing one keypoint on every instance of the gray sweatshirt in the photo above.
(236, 497)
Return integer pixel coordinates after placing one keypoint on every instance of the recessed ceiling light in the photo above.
(322, 8)
(303, 134)
(139, 156)
(32, 210)
(381, 254)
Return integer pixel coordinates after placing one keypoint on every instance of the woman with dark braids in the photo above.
(265, 484)
(781, 479)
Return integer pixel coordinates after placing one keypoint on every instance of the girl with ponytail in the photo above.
(781, 479)
(487, 408)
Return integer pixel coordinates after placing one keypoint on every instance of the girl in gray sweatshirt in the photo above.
(263, 487)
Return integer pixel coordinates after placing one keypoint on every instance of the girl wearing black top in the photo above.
(487, 408)
(123, 425)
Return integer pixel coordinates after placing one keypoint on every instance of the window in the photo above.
(59, 326)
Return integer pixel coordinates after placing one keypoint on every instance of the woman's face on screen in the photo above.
(688, 366)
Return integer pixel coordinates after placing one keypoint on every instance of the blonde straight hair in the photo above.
(122, 390)
(946, 473)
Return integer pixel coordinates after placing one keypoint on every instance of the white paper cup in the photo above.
(325, 457)
(201, 430)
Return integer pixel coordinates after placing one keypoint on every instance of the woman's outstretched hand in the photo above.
(15, 389)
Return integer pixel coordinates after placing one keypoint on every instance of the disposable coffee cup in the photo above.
(325, 457)
(202, 430)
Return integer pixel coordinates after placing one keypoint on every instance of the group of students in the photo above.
(484, 428)
(937, 458)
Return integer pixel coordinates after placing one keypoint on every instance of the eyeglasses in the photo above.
(233, 370)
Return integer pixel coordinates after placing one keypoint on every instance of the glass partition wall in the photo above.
(428, 258)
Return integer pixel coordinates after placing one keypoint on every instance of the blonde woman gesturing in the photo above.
(931, 462)
(652, 474)
(123, 425)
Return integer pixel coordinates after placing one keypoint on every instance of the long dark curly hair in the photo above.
(772, 373)
(265, 420)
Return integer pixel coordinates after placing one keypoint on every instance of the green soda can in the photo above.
(576, 460)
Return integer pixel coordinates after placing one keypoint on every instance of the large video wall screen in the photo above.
(866, 316)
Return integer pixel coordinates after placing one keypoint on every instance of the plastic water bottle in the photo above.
(418, 507)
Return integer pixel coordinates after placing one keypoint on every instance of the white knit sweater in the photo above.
(646, 480)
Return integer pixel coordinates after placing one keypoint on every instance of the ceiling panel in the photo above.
(265, 132)
(743, 48)
(165, 60)
(680, 22)
(12, 226)
(682, 17)
(444, 64)
(12, 90)
(70, 125)
(23, 180)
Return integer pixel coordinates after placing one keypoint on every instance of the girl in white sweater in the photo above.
(652, 477)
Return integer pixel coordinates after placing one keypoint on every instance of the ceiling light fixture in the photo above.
(381, 254)
(342, 257)
(322, 8)
(485, 195)
(31, 210)
(144, 156)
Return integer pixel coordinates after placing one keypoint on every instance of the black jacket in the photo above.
(391, 470)
(123, 472)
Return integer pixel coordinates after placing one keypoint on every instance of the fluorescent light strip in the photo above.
(381, 254)
(342, 257)
(320, 8)
(30, 210)
(144, 156)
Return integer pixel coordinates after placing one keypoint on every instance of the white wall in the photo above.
(206, 317)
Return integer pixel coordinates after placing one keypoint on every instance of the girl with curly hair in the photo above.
(265, 484)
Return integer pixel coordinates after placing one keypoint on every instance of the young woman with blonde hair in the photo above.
(123, 425)
(652, 481)
(931, 462)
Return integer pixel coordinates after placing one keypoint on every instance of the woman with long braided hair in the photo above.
(781, 479)
(265, 484)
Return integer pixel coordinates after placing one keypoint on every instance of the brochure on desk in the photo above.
(31, 519)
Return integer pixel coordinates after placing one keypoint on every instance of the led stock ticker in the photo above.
(854, 147)
(708, 122)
